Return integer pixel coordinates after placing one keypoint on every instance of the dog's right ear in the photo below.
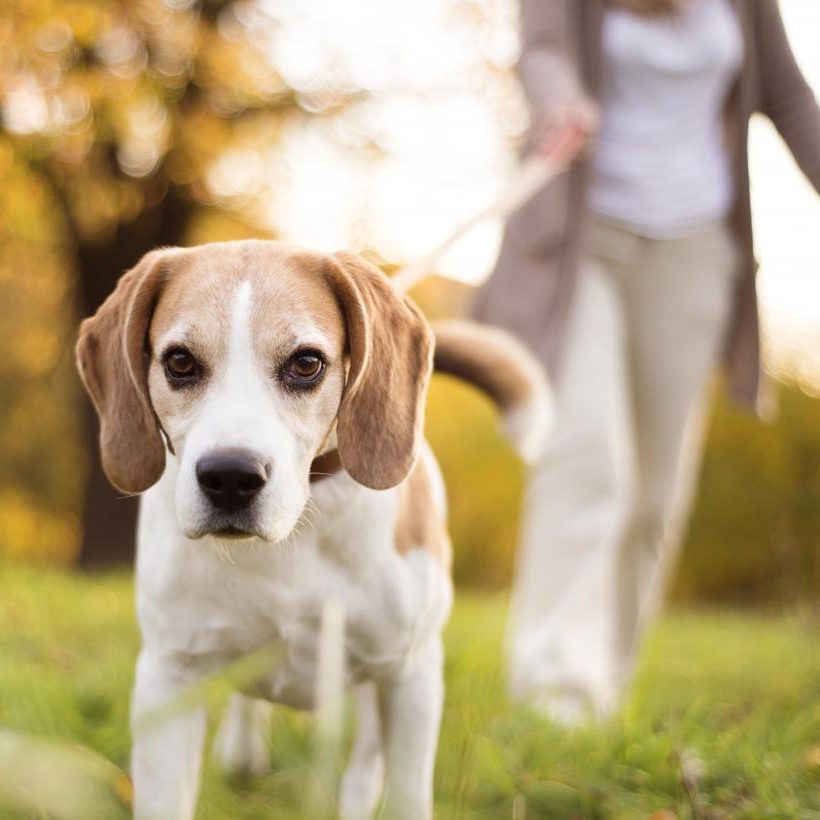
(112, 357)
(381, 416)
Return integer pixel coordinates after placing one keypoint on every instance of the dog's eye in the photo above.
(180, 366)
(304, 369)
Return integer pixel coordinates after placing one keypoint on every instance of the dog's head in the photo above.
(244, 359)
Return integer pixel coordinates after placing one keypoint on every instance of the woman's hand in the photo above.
(568, 129)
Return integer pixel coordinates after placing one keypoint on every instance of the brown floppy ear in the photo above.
(111, 357)
(381, 416)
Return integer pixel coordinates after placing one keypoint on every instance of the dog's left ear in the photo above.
(381, 416)
(111, 357)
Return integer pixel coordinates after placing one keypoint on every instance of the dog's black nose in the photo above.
(231, 478)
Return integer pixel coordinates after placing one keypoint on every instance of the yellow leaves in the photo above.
(34, 533)
(35, 351)
(87, 19)
(239, 69)
(74, 147)
(41, 463)
(95, 206)
(6, 156)
(812, 759)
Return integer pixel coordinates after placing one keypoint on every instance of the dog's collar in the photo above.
(325, 465)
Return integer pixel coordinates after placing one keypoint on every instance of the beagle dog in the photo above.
(268, 404)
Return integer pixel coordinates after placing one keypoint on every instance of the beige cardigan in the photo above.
(531, 289)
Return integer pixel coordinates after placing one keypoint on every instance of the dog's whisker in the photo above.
(226, 552)
(305, 518)
(222, 551)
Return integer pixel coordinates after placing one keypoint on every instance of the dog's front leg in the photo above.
(411, 714)
(168, 739)
(361, 786)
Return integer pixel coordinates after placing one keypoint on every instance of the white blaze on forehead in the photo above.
(240, 344)
(242, 389)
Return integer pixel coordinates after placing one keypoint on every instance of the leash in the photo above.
(537, 171)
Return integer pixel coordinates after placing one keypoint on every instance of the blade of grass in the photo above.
(330, 688)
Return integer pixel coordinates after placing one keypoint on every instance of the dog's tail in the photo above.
(506, 371)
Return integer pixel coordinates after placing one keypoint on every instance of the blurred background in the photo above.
(376, 125)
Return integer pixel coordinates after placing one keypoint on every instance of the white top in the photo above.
(660, 164)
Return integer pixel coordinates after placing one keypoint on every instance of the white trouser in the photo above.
(604, 508)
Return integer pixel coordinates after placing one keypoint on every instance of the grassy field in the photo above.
(723, 722)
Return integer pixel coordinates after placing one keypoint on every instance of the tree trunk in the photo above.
(109, 518)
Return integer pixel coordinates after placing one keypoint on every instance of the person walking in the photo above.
(631, 276)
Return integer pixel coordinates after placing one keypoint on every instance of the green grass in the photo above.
(740, 693)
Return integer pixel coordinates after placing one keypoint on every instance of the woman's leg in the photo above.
(678, 302)
(560, 637)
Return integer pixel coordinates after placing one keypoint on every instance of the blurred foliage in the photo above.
(115, 104)
(42, 461)
(755, 533)
(484, 480)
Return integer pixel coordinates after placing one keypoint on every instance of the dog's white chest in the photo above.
(384, 618)
(211, 610)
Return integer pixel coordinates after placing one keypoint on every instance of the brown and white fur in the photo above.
(215, 583)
